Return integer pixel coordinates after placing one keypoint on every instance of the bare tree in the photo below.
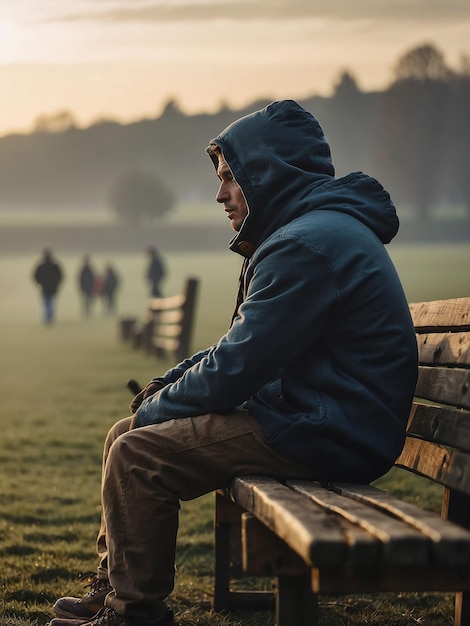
(423, 63)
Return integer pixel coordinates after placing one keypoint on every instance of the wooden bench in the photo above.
(349, 538)
(168, 324)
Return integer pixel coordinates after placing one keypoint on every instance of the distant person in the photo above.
(108, 289)
(98, 283)
(48, 275)
(155, 272)
(86, 283)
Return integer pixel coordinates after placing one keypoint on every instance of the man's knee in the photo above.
(116, 430)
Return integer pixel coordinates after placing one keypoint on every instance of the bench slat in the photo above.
(401, 544)
(163, 343)
(306, 528)
(452, 314)
(171, 316)
(444, 425)
(174, 330)
(444, 466)
(169, 302)
(450, 542)
(445, 385)
(444, 349)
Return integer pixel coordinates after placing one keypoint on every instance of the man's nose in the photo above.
(221, 194)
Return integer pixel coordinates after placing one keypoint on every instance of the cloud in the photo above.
(202, 10)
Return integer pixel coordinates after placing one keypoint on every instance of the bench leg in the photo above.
(462, 609)
(228, 561)
(226, 514)
(295, 602)
(224, 598)
(456, 507)
(221, 597)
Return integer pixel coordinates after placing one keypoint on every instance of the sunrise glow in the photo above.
(124, 60)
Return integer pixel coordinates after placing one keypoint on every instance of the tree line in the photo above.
(414, 136)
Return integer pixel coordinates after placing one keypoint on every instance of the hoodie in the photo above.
(321, 350)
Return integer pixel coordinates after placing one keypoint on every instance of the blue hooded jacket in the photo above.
(322, 350)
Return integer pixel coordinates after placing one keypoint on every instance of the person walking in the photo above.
(48, 275)
(156, 271)
(86, 282)
(313, 379)
(109, 286)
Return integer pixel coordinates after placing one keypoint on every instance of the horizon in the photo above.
(124, 61)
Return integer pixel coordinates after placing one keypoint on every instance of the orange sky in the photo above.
(123, 59)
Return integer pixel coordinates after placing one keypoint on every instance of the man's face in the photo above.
(231, 195)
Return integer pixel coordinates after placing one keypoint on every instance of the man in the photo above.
(86, 283)
(109, 288)
(155, 272)
(48, 275)
(313, 379)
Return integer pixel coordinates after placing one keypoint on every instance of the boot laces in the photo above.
(108, 617)
(94, 584)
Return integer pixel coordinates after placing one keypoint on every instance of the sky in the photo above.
(125, 59)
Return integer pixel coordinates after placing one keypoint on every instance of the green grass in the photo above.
(63, 386)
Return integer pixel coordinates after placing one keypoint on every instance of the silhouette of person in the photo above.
(48, 275)
(108, 289)
(86, 281)
(155, 272)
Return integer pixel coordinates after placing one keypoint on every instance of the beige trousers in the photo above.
(146, 472)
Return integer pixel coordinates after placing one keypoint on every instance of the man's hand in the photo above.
(149, 390)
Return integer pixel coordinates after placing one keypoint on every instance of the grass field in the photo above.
(63, 386)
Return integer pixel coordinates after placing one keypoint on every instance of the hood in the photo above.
(281, 159)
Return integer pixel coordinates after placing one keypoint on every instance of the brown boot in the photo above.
(86, 607)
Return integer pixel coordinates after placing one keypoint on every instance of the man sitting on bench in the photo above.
(313, 379)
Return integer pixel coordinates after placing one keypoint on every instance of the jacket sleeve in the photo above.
(275, 320)
(175, 373)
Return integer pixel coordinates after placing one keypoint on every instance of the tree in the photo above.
(171, 108)
(54, 122)
(137, 195)
(346, 86)
(457, 139)
(345, 121)
(421, 64)
(412, 142)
